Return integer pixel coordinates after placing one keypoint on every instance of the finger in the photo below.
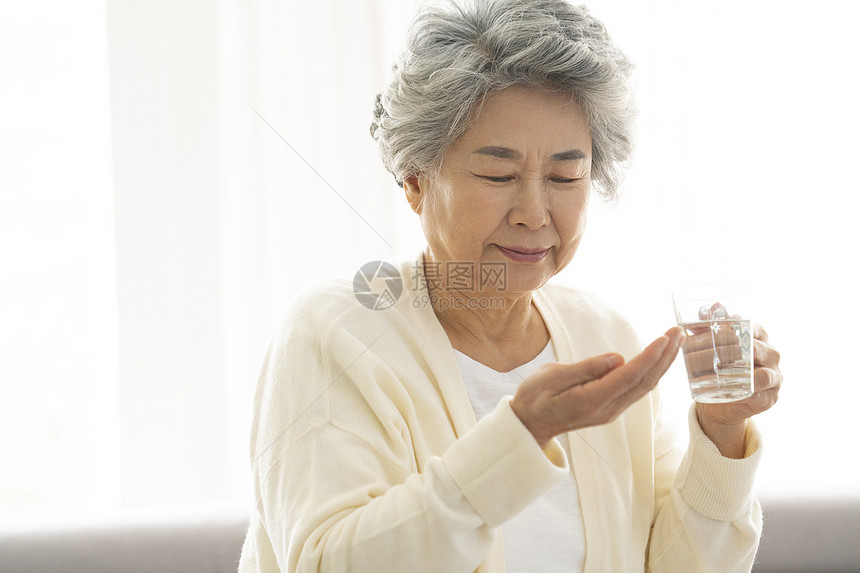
(766, 379)
(658, 355)
(591, 368)
(652, 377)
(720, 336)
(677, 338)
(554, 378)
(630, 374)
(697, 327)
(759, 332)
(622, 378)
(761, 401)
(764, 354)
(675, 331)
(704, 362)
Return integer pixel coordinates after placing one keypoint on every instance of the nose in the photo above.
(531, 205)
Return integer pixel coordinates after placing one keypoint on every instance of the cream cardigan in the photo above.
(366, 455)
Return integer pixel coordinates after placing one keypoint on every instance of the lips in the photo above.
(524, 254)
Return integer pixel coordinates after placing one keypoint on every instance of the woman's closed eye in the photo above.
(497, 178)
(508, 178)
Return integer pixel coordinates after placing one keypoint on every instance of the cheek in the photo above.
(572, 220)
(451, 221)
(581, 223)
(473, 214)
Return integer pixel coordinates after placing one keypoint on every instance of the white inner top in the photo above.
(548, 536)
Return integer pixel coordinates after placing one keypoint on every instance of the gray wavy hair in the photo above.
(459, 53)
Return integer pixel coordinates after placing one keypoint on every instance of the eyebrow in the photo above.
(507, 153)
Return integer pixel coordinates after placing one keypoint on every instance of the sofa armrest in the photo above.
(806, 535)
(800, 536)
(203, 543)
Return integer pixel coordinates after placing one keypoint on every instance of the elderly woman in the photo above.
(481, 418)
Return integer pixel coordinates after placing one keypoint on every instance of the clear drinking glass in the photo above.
(718, 351)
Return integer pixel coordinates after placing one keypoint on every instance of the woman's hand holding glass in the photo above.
(725, 424)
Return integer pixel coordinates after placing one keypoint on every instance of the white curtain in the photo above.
(59, 420)
(244, 171)
(747, 137)
(175, 172)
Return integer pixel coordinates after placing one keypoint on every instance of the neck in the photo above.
(504, 328)
(505, 318)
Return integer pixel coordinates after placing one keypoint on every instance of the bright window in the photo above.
(58, 410)
(172, 175)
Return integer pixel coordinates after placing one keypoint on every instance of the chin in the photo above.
(522, 280)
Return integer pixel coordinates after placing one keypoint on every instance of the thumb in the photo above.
(594, 367)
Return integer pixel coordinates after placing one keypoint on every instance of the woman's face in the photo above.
(513, 188)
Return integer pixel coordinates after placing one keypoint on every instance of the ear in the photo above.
(414, 191)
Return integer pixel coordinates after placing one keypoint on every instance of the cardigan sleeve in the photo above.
(338, 487)
(702, 515)
(337, 505)
(708, 518)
